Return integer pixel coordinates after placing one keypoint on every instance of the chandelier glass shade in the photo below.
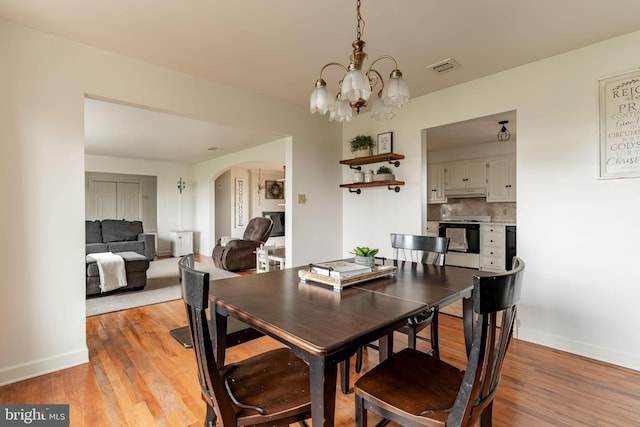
(356, 86)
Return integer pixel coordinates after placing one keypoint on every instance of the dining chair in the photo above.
(416, 249)
(268, 389)
(423, 248)
(413, 388)
(237, 332)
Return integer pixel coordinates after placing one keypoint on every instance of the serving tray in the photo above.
(339, 284)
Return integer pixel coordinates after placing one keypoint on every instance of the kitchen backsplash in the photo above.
(472, 206)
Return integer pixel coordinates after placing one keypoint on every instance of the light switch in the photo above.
(302, 198)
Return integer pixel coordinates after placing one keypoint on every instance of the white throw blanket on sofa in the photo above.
(112, 271)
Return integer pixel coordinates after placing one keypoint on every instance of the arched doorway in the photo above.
(244, 191)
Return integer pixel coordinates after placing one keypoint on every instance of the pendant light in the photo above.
(504, 134)
(356, 85)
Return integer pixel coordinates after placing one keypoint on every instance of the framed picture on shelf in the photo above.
(274, 190)
(385, 143)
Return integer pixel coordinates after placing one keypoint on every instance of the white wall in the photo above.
(43, 81)
(259, 202)
(576, 234)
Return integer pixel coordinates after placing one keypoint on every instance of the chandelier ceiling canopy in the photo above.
(357, 85)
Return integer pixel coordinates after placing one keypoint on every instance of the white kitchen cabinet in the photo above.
(467, 175)
(492, 247)
(501, 179)
(432, 228)
(181, 243)
(435, 184)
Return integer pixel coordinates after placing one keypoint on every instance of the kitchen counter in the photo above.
(503, 222)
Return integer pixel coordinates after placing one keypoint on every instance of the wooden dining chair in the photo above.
(426, 250)
(237, 332)
(416, 249)
(423, 248)
(413, 388)
(268, 389)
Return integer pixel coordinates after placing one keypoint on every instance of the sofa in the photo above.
(118, 235)
(240, 254)
(125, 238)
(135, 266)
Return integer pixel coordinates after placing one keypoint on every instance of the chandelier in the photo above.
(356, 85)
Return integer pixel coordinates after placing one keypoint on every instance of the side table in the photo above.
(181, 243)
(269, 258)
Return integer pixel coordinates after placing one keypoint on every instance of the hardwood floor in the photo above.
(140, 376)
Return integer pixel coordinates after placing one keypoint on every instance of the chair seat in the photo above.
(412, 381)
(276, 381)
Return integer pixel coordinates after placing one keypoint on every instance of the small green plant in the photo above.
(383, 169)
(361, 142)
(364, 251)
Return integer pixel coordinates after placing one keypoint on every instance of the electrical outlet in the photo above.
(302, 198)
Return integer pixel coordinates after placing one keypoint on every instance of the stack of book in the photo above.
(340, 269)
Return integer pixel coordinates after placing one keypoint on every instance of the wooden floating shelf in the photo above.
(387, 157)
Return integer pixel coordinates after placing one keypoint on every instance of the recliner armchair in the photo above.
(239, 254)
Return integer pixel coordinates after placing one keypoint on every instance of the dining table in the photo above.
(323, 326)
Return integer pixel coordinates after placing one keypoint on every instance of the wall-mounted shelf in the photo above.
(392, 158)
(355, 163)
(391, 185)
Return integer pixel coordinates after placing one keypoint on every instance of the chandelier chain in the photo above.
(359, 20)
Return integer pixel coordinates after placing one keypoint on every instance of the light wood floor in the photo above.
(140, 376)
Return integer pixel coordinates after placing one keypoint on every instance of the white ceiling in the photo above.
(275, 48)
(120, 130)
(474, 131)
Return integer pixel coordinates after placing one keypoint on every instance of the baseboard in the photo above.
(36, 368)
(603, 354)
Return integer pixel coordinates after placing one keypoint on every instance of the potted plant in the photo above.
(365, 255)
(361, 145)
(384, 174)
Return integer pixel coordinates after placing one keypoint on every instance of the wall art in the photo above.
(620, 126)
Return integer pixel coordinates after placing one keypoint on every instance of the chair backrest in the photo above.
(419, 248)
(258, 229)
(494, 302)
(195, 293)
(190, 261)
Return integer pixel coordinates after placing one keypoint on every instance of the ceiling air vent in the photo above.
(444, 66)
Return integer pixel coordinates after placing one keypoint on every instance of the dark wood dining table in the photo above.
(323, 326)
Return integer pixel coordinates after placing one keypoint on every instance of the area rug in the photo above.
(162, 285)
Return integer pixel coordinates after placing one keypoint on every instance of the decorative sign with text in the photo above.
(620, 126)
(241, 203)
